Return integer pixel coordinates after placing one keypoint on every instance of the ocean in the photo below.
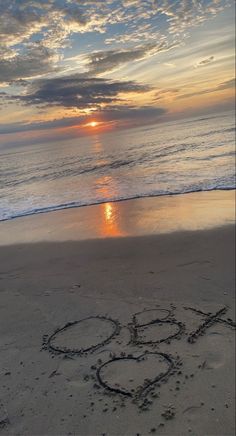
(170, 158)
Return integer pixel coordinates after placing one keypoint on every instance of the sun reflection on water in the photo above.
(97, 144)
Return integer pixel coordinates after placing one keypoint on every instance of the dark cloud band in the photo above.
(77, 91)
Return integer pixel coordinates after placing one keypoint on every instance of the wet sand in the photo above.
(118, 336)
(139, 217)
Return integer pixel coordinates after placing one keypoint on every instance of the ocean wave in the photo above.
(68, 172)
(168, 159)
(77, 204)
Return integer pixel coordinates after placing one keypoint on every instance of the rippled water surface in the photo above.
(168, 158)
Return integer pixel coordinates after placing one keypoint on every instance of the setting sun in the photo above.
(93, 124)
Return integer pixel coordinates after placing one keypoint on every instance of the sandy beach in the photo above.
(125, 335)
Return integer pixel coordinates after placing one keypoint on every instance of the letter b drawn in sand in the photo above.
(154, 326)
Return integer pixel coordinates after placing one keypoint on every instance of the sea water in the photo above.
(177, 157)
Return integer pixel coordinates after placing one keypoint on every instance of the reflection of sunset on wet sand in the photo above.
(150, 216)
(126, 218)
(111, 222)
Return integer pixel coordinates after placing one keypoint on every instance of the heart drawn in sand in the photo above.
(133, 376)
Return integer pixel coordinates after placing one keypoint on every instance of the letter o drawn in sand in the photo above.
(133, 376)
(84, 335)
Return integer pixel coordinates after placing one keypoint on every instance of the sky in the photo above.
(70, 68)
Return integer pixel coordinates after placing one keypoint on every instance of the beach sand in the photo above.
(154, 350)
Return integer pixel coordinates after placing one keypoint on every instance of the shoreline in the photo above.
(73, 205)
(103, 288)
(135, 217)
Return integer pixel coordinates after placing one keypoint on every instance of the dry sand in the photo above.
(141, 360)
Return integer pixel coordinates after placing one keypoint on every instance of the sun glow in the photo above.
(93, 124)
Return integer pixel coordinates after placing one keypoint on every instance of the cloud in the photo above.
(20, 20)
(118, 114)
(143, 114)
(33, 33)
(142, 33)
(35, 60)
(17, 134)
(224, 85)
(77, 91)
(9, 128)
(205, 62)
(162, 93)
(105, 61)
(185, 14)
(36, 30)
(17, 23)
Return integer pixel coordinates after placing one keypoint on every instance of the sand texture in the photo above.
(125, 336)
